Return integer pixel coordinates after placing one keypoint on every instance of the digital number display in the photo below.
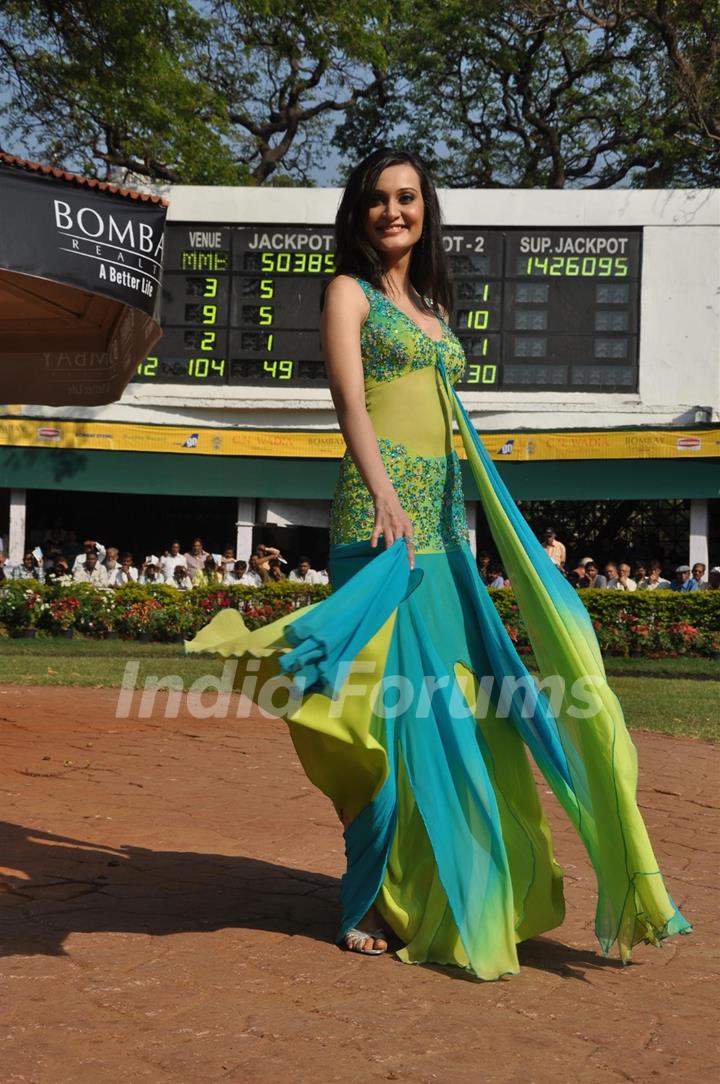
(534, 308)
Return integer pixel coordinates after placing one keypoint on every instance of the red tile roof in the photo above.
(75, 178)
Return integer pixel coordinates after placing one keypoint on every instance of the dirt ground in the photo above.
(168, 902)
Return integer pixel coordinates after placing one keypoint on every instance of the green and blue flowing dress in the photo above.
(414, 714)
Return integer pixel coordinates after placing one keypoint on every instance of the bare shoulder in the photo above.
(344, 292)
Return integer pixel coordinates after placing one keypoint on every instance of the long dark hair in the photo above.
(354, 255)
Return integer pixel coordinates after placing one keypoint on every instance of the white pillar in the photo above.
(699, 532)
(471, 514)
(244, 527)
(16, 541)
(292, 513)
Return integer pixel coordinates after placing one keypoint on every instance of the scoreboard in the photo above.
(535, 309)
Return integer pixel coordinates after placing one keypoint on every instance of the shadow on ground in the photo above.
(61, 885)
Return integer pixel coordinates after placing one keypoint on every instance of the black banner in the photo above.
(80, 280)
(84, 237)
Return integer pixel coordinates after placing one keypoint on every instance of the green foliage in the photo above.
(157, 611)
(114, 85)
(699, 608)
(553, 93)
(211, 92)
(21, 603)
(652, 623)
(531, 93)
(95, 614)
(649, 623)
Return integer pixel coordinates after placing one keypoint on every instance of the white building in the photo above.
(269, 448)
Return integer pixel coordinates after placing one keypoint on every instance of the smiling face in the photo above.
(396, 213)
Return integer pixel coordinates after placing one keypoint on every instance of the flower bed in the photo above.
(654, 623)
(151, 611)
(651, 623)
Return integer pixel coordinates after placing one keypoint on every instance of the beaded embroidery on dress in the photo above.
(429, 487)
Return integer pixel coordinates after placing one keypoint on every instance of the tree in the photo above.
(108, 89)
(527, 93)
(219, 92)
(554, 93)
(285, 69)
(688, 36)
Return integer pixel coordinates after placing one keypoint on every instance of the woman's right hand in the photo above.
(392, 522)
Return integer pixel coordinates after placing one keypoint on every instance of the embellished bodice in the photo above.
(411, 413)
(392, 344)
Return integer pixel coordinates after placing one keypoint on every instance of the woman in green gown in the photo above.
(411, 708)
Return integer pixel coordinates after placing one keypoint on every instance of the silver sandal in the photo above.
(355, 937)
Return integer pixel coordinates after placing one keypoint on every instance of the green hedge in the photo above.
(652, 623)
(641, 622)
(153, 611)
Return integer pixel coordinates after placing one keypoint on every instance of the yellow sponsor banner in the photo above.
(307, 444)
(604, 444)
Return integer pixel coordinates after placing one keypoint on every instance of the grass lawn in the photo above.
(51, 661)
(674, 696)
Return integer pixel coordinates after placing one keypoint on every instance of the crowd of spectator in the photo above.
(108, 568)
(615, 575)
(196, 567)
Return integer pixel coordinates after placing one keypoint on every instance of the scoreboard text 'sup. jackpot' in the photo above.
(534, 309)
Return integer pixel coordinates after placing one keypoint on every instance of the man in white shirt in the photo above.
(181, 579)
(91, 571)
(622, 581)
(170, 561)
(125, 572)
(90, 547)
(238, 575)
(150, 570)
(654, 579)
(303, 573)
(252, 576)
(112, 565)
